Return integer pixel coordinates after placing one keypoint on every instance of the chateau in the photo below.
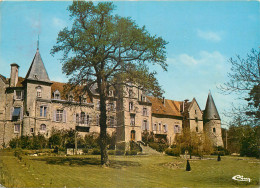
(35, 105)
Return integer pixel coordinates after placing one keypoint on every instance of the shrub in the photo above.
(120, 146)
(15, 142)
(160, 147)
(85, 150)
(91, 141)
(135, 146)
(173, 151)
(111, 152)
(96, 151)
(120, 152)
(131, 152)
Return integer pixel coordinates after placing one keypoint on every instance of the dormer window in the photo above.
(130, 93)
(111, 93)
(143, 98)
(84, 100)
(39, 91)
(56, 94)
(70, 98)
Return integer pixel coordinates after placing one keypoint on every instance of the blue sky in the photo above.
(202, 37)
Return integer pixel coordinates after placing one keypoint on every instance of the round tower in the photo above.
(212, 122)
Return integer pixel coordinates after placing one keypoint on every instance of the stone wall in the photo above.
(213, 129)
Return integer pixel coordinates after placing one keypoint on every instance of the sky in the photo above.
(202, 36)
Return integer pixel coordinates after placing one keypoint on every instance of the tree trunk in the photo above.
(103, 125)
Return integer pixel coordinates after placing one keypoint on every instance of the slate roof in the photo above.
(170, 107)
(61, 88)
(37, 69)
(211, 112)
(4, 79)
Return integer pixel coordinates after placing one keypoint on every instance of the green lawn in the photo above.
(125, 171)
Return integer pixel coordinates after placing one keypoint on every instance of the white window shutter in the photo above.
(14, 94)
(64, 116)
(11, 112)
(90, 119)
(74, 117)
(21, 113)
(143, 126)
(54, 115)
(147, 124)
(22, 93)
(166, 128)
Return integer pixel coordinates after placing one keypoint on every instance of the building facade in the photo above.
(36, 105)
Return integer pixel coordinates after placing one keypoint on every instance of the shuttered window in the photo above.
(59, 115)
(165, 128)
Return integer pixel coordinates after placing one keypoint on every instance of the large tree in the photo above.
(102, 48)
(244, 80)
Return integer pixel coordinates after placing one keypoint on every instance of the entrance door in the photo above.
(132, 135)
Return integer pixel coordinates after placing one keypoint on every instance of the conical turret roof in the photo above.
(37, 70)
(210, 111)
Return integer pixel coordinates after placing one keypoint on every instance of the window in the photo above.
(88, 120)
(145, 125)
(110, 106)
(155, 127)
(56, 94)
(130, 93)
(70, 98)
(43, 128)
(132, 119)
(143, 98)
(17, 128)
(32, 130)
(77, 118)
(98, 105)
(82, 117)
(43, 111)
(111, 121)
(111, 93)
(160, 126)
(197, 129)
(16, 113)
(97, 119)
(18, 95)
(84, 100)
(214, 130)
(177, 129)
(165, 128)
(39, 91)
(144, 111)
(195, 112)
(59, 115)
(131, 106)
(196, 119)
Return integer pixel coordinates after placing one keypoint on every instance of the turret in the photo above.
(212, 122)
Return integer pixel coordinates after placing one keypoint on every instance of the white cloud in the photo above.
(209, 35)
(57, 22)
(215, 59)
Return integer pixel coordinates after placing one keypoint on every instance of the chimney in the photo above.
(163, 101)
(14, 74)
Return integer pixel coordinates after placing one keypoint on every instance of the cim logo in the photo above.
(240, 178)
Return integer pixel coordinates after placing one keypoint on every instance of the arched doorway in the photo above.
(132, 135)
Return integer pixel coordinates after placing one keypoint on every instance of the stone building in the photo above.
(35, 104)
